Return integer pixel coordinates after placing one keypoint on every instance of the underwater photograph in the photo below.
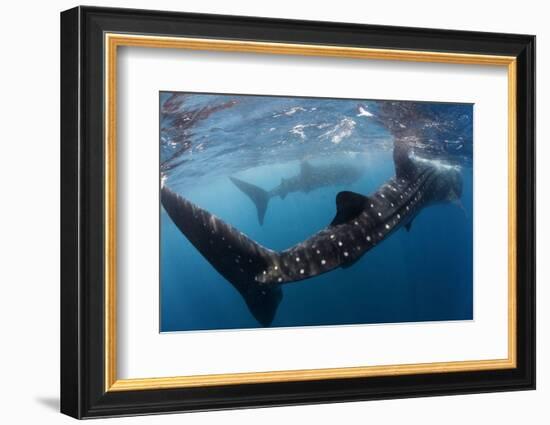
(305, 211)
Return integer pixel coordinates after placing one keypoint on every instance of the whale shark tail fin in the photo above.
(259, 196)
(236, 257)
(263, 303)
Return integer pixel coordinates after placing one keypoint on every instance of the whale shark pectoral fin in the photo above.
(348, 206)
(408, 226)
(458, 203)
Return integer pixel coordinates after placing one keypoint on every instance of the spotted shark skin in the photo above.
(361, 223)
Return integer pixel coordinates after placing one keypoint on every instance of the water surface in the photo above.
(421, 275)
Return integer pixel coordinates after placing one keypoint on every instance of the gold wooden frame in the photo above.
(113, 41)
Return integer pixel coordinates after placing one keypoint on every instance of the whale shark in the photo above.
(309, 178)
(361, 223)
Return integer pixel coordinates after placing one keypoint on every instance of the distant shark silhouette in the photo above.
(309, 178)
(361, 222)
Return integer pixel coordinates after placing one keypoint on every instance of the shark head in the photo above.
(454, 185)
(445, 181)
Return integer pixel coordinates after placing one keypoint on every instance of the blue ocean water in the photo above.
(424, 274)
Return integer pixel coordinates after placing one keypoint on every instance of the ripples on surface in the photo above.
(205, 135)
(424, 274)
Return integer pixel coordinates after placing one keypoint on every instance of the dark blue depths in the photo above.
(424, 274)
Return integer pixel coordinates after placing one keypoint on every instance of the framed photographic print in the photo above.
(262, 212)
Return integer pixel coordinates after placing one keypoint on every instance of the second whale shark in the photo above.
(309, 178)
(360, 224)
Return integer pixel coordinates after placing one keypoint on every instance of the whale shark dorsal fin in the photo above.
(348, 206)
(405, 168)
